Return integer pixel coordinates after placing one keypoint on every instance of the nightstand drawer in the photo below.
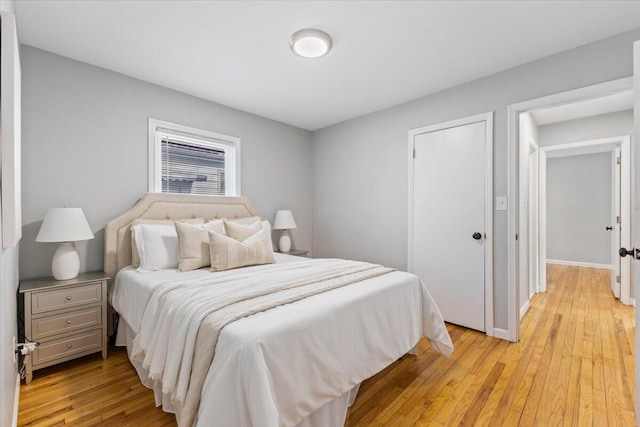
(67, 347)
(67, 322)
(57, 299)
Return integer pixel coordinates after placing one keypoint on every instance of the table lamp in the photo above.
(64, 225)
(284, 221)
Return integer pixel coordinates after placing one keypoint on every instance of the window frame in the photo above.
(194, 136)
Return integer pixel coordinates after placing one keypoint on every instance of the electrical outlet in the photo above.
(14, 349)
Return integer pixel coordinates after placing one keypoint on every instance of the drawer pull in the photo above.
(69, 298)
(69, 322)
(68, 345)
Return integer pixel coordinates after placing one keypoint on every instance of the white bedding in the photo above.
(131, 289)
(279, 366)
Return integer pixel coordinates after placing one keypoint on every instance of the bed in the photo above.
(298, 362)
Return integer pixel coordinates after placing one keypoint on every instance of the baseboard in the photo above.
(503, 334)
(523, 310)
(579, 264)
(632, 302)
(16, 402)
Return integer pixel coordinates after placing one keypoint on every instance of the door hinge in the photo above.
(516, 236)
(619, 160)
(618, 220)
(414, 153)
(617, 279)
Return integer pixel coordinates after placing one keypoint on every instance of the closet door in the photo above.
(448, 251)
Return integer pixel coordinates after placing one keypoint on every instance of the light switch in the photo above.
(501, 203)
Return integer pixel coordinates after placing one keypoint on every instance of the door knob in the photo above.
(631, 252)
(609, 228)
(624, 252)
(477, 236)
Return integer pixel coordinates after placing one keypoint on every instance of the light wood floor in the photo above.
(574, 366)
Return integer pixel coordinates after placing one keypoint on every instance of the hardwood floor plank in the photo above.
(599, 409)
(492, 405)
(585, 393)
(464, 398)
(471, 414)
(532, 404)
(574, 366)
(515, 395)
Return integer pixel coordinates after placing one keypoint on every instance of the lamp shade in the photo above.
(284, 221)
(64, 225)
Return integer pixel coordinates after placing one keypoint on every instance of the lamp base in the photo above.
(66, 263)
(284, 245)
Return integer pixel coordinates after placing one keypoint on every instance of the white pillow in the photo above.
(157, 246)
(266, 226)
(135, 259)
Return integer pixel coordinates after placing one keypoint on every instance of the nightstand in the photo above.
(295, 252)
(67, 317)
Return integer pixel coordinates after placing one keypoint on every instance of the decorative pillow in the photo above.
(157, 246)
(193, 244)
(135, 258)
(228, 253)
(242, 232)
(244, 221)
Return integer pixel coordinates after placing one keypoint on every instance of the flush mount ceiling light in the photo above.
(310, 43)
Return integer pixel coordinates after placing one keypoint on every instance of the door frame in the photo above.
(533, 254)
(616, 211)
(514, 110)
(534, 201)
(602, 145)
(635, 232)
(488, 202)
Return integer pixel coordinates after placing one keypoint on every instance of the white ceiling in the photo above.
(385, 52)
(590, 107)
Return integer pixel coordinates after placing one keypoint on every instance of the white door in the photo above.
(449, 220)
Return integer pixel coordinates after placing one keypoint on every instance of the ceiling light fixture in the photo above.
(310, 43)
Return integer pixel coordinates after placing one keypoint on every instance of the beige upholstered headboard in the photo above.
(117, 232)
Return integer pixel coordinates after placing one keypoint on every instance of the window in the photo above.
(192, 161)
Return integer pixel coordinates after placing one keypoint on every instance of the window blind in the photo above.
(191, 168)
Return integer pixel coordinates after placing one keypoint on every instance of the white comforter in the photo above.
(278, 371)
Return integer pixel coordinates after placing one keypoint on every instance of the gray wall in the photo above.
(85, 145)
(360, 166)
(585, 129)
(8, 312)
(579, 196)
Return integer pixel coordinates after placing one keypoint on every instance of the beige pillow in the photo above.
(242, 232)
(193, 244)
(228, 253)
(135, 258)
(245, 221)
